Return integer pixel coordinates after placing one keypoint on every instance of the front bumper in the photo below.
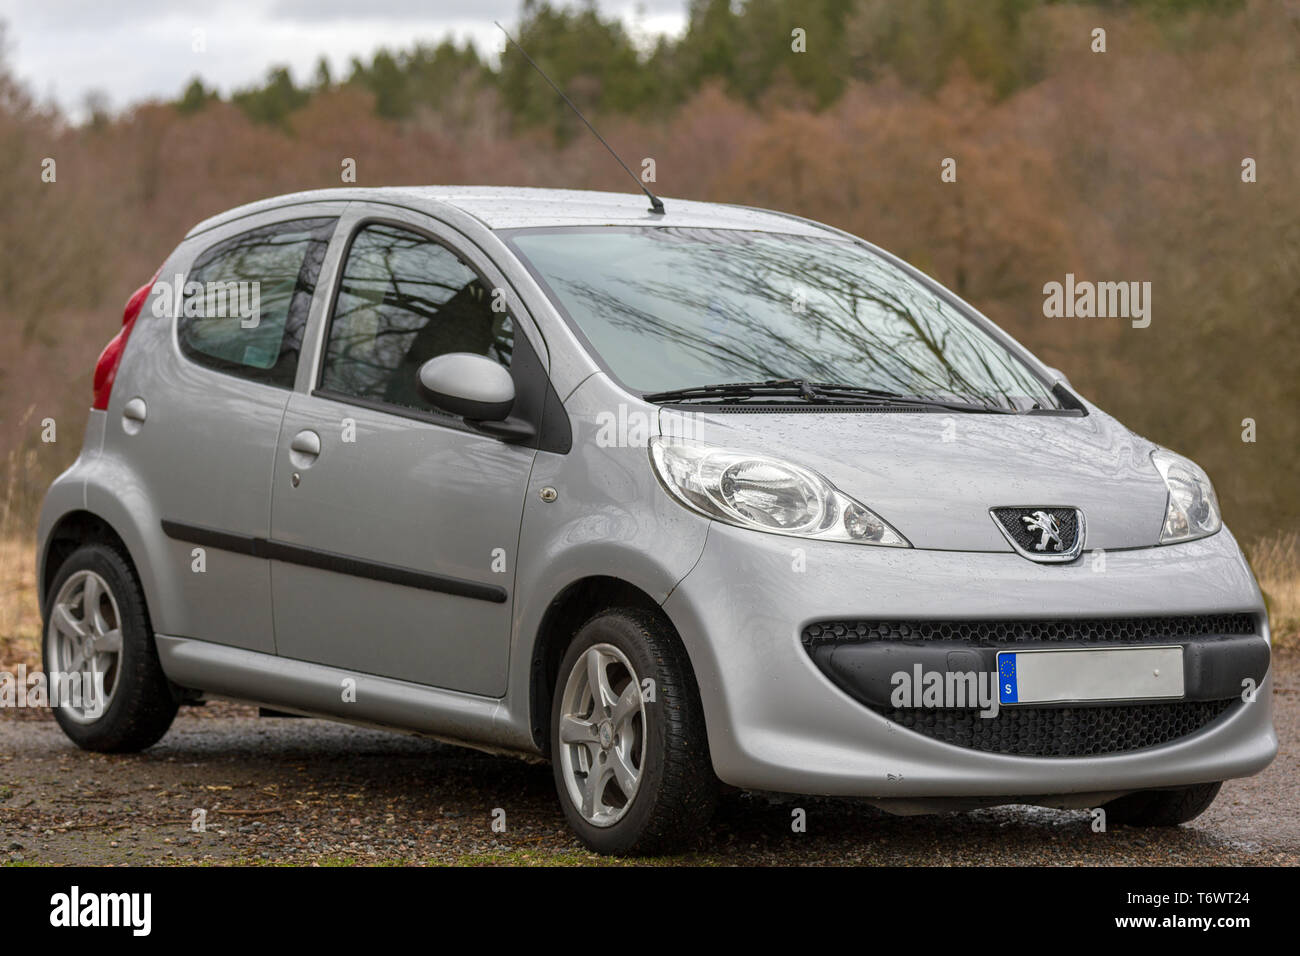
(777, 722)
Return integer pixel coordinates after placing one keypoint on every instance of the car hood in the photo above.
(934, 476)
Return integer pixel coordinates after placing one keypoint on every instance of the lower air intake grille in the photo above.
(1063, 731)
(1048, 731)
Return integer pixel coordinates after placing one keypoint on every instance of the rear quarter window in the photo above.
(247, 299)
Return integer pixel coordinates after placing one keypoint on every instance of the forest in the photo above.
(989, 142)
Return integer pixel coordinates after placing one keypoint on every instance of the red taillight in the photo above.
(111, 357)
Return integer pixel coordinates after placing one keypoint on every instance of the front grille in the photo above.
(1067, 520)
(1073, 731)
(1125, 630)
(1063, 731)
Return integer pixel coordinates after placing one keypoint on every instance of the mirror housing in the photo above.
(473, 386)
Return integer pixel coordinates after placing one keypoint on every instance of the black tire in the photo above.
(678, 790)
(143, 704)
(1162, 808)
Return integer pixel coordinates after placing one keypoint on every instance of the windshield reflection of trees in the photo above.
(863, 323)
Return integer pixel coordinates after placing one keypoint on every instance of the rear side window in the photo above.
(247, 299)
(403, 300)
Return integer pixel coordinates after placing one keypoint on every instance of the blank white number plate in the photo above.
(1088, 674)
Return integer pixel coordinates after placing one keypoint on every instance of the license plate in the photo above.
(1088, 674)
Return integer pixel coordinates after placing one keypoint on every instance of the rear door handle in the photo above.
(134, 413)
(305, 448)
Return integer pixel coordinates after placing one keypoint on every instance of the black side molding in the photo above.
(212, 538)
(331, 561)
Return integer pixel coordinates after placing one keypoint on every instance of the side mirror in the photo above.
(466, 384)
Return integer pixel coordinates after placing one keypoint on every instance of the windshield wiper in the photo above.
(774, 388)
(814, 392)
(881, 397)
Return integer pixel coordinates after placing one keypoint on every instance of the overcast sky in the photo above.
(134, 50)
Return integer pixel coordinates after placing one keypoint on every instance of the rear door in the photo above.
(394, 525)
(202, 403)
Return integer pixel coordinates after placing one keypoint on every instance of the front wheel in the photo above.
(1162, 808)
(628, 747)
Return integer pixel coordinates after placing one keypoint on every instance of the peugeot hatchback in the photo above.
(708, 496)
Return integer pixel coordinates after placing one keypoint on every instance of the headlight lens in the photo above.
(766, 494)
(1193, 509)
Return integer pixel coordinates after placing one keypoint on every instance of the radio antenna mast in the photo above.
(656, 204)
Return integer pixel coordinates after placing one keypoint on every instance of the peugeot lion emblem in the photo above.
(1048, 534)
(1047, 524)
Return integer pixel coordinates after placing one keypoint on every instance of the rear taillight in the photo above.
(111, 357)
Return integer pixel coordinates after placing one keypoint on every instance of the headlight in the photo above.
(766, 494)
(1193, 510)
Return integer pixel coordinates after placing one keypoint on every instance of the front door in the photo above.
(394, 526)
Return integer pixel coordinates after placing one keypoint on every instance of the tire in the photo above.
(138, 704)
(662, 740)
(1162, 808)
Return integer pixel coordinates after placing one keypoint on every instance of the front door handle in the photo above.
(305, 448)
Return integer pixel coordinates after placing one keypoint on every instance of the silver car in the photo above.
(717, 496)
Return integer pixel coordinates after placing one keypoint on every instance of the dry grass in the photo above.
(20, 620)
(1276, 562)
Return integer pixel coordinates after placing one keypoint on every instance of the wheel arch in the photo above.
(69, 532)
(572, 607)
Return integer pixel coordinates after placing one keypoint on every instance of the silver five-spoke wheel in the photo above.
(87, 643)
(602, 734)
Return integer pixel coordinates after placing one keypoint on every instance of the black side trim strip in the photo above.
(378, 571)
(331, 561)
(212, 538)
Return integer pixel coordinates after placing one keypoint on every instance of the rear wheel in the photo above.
(1162, 808)
(628, 746)
(106, 686)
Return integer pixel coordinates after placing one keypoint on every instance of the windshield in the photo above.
(668, 308)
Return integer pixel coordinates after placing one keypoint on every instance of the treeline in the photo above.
(744, 48)
(1125, 166)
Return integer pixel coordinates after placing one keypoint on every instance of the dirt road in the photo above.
(278, 790)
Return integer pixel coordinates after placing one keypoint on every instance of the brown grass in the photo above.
(20, 621)
(1276, 562)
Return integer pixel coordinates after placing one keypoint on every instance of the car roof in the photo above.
(516, 207)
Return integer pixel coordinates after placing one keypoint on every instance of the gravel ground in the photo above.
(293, 791)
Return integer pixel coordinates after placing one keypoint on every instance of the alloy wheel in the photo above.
(602, 734)
(86, 639)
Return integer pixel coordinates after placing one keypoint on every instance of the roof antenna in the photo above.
(656, 204)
